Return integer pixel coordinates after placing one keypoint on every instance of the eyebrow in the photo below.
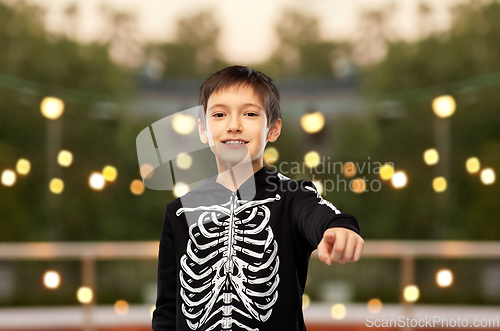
(249, 104)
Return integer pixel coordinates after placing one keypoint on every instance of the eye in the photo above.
(252, 114)
(218, 115)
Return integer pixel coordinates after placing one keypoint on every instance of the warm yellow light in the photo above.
(109, 173)
(472, 165)
(121, 307)
(431, 156)
(399, 180)
(411, 293)
(65, 158)
(96, 181)
(488, 176)
(306, 301)
(52, 108)
(180, 189)
(137, 187)
(184, 161)
(439, 184)
(358, 185)
(338, 311)
(8, 177)
(146, 170)
(312, 159)
(319, 186)
(151, 310)
(271, 155)
(56, 185)
(84, 294)
(23, 166)
(444, 278)
(51, 279)
(444, 106)
(386, 171)
(183, 124)
(312, 122)
(349, 169)
(374, 306)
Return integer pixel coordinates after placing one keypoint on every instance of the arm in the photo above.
(164, 314)
(326, 227)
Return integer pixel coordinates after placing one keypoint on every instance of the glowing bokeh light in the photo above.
(444, 106)
(399, 180)
(431, 156)
(52, 108)
(472, 165)
(439, 184)
(109, 173)
(146, 170)
(51, 279)
(184, 161)
(271, 155)
(56, 186)
(306, 301)
(374, 306)
(338, 311)
(121, 307)
(137, 187)
(84, 294)
(444, 278)
(411, 293)
(488, 176)
(183, 124)
(180, 189)
(312, 159)
(349, 169)
(358, 185)
(386, 171)
(96, 181)
(8, 177)
(23, 166)
(312, 122)
(65, 158)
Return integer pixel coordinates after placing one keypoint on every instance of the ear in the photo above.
(274, 131)
(202, 131)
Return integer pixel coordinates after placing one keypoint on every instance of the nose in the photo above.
(234, 125)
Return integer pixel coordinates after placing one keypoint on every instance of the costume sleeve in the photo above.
(313, 215)
(164, 314)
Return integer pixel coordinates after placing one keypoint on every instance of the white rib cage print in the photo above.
(229, 274)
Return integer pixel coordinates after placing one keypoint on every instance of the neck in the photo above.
(232, 176)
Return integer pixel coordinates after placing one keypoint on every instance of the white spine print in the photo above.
(230, 269)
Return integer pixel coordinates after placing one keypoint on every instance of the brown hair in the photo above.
(239, 76)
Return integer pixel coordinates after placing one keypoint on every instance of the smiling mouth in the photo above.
(235, 142)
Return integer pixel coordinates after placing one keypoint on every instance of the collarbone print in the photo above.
(229, 273)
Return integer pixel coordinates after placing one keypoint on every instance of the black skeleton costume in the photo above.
(238, 260)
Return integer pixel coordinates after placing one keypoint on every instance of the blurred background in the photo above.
(404, 94)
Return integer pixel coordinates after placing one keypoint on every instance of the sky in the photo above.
(244, 22)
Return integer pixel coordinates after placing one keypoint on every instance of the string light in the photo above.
(23, 166)
(338, 311)
(431, 156)
(411, 293)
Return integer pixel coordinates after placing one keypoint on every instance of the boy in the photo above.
(234, 252)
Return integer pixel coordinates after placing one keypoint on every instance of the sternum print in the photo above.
(229, 274)
(229, 263)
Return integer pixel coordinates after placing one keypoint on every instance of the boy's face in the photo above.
(238, 115)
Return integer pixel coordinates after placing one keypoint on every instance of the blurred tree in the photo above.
(430, 67)
(194, 52)
(301, 51)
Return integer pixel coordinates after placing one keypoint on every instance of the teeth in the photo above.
(234, 142)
